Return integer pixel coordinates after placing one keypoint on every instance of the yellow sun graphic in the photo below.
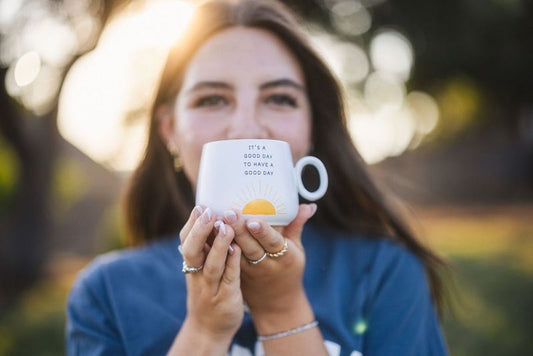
(258, 199)
(259, 207)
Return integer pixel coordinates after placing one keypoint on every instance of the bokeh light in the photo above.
(8, 10)
(348, 61)
(391, 52)
(41, 94)
(350, 17)
(354, 66)
(53, 39)
(384, 119)
(424, 110)
(360, 327)
(27, 68)
(383, 91)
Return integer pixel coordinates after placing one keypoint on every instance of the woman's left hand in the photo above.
(273, 284)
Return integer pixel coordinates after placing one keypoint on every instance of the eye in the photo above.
(210, 101)
(282, 100)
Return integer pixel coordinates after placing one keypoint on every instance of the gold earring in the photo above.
(172, 149)
(177, 163)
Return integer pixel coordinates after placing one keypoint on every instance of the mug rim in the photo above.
(246, 139)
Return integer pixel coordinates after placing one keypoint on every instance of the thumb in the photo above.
(293, 231)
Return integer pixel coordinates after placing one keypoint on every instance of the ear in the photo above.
(165, 123)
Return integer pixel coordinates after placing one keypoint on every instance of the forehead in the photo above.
(242, 53)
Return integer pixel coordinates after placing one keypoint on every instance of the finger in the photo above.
(195, 213)
(250, 247)
(270, 239)
(216, 259)
(232, 274)
(293, 231)
(194, 242)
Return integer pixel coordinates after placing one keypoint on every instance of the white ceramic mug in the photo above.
(256, 177)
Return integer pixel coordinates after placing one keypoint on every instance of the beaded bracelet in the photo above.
(297, 330)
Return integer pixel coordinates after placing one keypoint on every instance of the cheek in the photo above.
(300, 147)
(191, 136)
(297, 132)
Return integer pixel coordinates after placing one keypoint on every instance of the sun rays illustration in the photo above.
(260, 199)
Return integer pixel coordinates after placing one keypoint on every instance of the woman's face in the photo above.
(242, 83)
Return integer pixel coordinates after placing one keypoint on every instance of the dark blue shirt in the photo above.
(369, 295)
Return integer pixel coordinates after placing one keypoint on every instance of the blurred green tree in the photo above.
(32, 137)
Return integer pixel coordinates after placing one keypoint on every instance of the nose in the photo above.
(245, 122)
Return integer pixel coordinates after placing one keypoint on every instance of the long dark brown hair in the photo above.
(158, 199)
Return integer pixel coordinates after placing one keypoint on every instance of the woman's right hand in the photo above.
(214, 298)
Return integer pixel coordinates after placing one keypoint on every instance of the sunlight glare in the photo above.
(8, 10)
(118, 78)
(53, 39)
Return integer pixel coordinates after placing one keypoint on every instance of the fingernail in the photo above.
(231, 251)
(198, 210)
(230, 216)
(313, 209)
(206, 216)
(254, 226)
(219, 225)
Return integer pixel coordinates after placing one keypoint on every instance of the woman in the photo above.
(345, 277)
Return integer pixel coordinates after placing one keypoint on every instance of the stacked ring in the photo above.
(186, 269)
(280, 252)
(254, 262)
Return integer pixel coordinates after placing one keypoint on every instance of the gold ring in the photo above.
(280, 252)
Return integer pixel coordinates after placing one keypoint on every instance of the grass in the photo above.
(34, 325)
(491, 251)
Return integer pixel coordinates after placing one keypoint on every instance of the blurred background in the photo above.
(441, 106)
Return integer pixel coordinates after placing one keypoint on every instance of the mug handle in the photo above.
(322, 173)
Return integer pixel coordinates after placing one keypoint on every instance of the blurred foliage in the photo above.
(8, 177)
(492, 255)
(460, 104)
(113, 234)
(497, 312)
(69, 185)
(34, 325)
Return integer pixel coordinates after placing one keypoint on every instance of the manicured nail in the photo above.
(206, 216)
(198, 210)
(230, 216)
(313, 209)
(254, 226)
(219, 225)
(231, 251)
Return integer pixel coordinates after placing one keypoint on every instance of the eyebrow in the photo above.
(208, 84)
(281, 83)
(267, 85)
